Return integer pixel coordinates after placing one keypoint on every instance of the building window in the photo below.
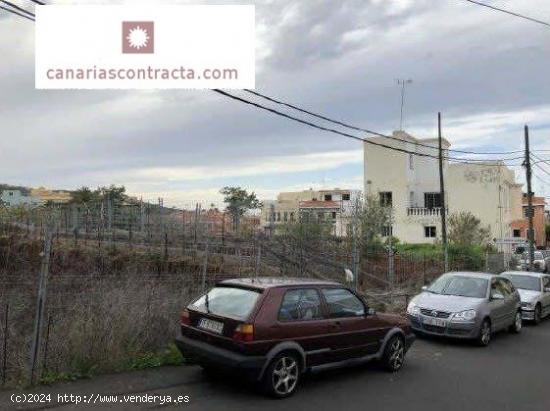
(321, 216)
(292, 216)
(387, 231)
(411, 199)
(517, 233)
(411, 162)
(334, 215)
(432, 200)
(328, 197)
(346, 197)
(430, 232)
(386, 198)
(278, 216)
(10, 193)
(285, 216)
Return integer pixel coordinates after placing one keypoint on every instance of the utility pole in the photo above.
(442, 195)
(402, 83)
(355, 250)
(528, 173)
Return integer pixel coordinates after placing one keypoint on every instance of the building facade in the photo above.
(520, 226)
(329, 206)
(409, 186)
(17, 198)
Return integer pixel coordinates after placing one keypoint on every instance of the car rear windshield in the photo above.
(524, 282)
(460, 285)
(229, 302)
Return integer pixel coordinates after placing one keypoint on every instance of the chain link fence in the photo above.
(87, 289)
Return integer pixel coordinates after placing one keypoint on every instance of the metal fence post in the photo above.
(5, 345)
(40, 303)
(205, 266)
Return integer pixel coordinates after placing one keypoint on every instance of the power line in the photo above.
(352, 127)
(15, 6)
(351, 136)
(17, 13)
(521, 16)
(39, 2)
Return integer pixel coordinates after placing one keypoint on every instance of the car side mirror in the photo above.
(497, 296)
(371, 311)
(424, 287)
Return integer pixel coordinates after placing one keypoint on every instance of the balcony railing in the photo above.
(424, 211)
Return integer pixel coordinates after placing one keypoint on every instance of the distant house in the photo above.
(16, 198)
(520, 227)
(329, 206)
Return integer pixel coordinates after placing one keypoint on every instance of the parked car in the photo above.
(541, 261)
(534, 291)
(466, 305)
(274, 329)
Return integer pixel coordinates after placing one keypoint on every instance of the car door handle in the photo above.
(335, 324)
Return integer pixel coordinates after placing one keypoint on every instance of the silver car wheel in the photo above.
(285, 375)
(485, 333)
(518, 323)
(397, 354)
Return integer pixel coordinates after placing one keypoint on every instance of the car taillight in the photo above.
(184, 319)
(244, 332)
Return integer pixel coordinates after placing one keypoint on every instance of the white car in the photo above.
(534, 291)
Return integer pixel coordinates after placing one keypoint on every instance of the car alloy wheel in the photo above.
(485, 333)
(397, 355)
(518, 323)
(284, 376)
(394, 354)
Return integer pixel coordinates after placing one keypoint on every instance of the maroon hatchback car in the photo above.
(274, 329)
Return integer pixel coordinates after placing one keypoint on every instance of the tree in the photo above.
(83, 196)
(465, 229)
(238, 202)
(372, 217)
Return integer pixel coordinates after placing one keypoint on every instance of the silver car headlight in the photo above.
(528, 306)
(413, 309)
(467, 315)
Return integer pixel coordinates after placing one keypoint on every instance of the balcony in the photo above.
(424, 211)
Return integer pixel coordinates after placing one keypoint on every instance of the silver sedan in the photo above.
(534, 291)
(466, 305)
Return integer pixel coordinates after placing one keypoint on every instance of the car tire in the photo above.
(485, 331)
(537, 318)
(282, 376)
(518, 323)
(394, 354)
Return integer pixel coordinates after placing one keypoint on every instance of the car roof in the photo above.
(472, 274)
(273, 282)
(525, 273)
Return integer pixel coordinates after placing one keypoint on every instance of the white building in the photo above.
(410, 185)
(331, 206)
(15, 198)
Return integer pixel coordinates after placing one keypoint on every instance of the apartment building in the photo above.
(330, 206)
(409, 184)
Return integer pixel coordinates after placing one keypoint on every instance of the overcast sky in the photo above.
(487, 72)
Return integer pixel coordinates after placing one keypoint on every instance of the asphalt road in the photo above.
(512, 374)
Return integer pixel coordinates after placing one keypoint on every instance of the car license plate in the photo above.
(211, 325)
(438, 322)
